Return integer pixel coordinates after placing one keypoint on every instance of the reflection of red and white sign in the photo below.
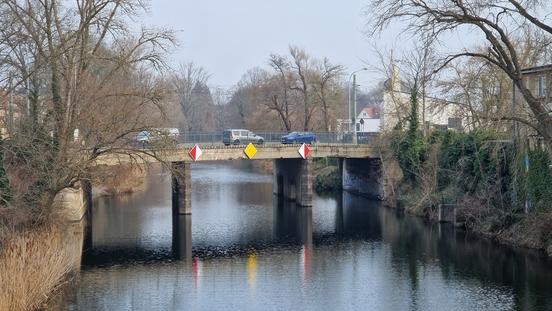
(304, 151)
(195, 152)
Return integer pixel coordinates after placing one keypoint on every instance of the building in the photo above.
(538, 80)
(368, 120)
(10, 111)
(433, 113)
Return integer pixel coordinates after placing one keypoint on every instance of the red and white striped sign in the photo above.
(195, 153)
(304, 151)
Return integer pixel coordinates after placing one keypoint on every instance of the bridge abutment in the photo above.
(293, 180)
(87, 199)
(363, 177)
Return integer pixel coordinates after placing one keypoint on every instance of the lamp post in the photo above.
(352, 118)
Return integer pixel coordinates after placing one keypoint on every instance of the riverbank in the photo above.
(122, 179)
(478, 172)
(26, 283)
(531, 231)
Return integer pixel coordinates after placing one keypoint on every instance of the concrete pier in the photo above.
(447, 213)
(181, 188)
(363, 177)
(293, 180)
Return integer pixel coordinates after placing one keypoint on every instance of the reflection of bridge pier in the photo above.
(182, 236)
(292, 221)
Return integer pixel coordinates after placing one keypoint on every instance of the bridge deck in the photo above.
(264, 152)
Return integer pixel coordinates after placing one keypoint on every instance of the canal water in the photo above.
(252, 252)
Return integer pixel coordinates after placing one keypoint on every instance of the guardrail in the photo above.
(275, 137)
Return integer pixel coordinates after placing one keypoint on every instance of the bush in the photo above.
(328, 181)
(5, 192)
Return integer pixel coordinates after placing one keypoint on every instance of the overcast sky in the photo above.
(228, 37)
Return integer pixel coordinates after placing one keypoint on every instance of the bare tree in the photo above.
(327, 88)
(278, 90)
(301, 65)
(84, 71)
(500, 22)
(187, 81)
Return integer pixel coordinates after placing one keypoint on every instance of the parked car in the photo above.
(240, 136)
(158, 135)
(299, 138)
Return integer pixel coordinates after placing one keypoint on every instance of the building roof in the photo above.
(371, 111)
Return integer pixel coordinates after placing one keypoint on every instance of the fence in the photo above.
(275, 137)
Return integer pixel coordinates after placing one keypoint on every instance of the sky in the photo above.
(229, 37)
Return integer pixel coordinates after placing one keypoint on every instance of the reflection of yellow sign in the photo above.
(250, 151)
(251, 268)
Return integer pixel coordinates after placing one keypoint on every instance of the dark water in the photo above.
(252, 252)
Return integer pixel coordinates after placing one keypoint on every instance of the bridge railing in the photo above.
(214, 138)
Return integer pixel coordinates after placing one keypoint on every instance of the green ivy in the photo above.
(539, 180)
(410, 148)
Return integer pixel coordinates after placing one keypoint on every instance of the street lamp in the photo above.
(352, 118)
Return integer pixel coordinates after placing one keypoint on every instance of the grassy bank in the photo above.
(35, 262)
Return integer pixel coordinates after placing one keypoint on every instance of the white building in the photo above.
(433, 113)
(368, 121)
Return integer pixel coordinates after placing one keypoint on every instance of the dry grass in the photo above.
(34, 263)
(121, 179)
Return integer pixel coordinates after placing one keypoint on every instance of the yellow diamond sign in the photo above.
(250, 151)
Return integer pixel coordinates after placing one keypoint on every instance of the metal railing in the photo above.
(215, 138)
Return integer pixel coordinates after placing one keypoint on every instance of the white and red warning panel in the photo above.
(304, 151)
(195, 152)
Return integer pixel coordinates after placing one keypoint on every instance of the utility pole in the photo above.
(354, 110)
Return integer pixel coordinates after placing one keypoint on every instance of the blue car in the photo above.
(299, 138)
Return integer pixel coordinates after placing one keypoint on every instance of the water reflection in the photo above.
(252, 251)
(182, 237)
(292, 223)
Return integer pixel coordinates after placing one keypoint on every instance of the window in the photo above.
(455, 123)
(542, 86)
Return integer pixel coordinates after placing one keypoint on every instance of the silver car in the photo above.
(240, 136)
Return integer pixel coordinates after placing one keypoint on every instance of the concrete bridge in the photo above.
(359, 165)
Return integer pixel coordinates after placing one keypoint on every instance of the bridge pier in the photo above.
(181, 188)
(363, 177)
(182, 210)
(293, 180)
